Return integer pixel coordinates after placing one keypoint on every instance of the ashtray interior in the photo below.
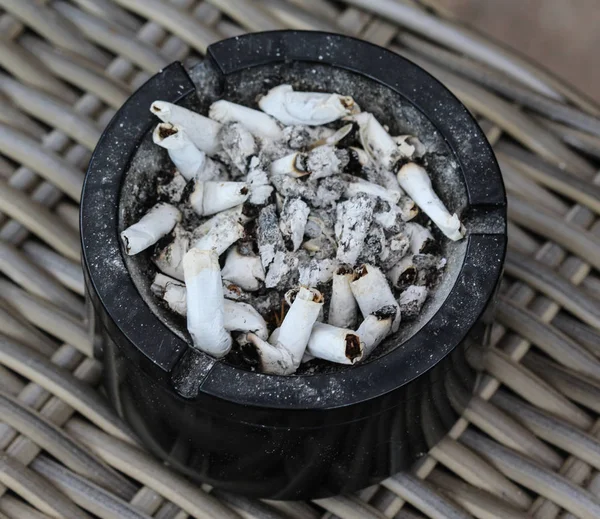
(138, 192)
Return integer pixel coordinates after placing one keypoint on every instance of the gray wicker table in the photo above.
(528, 444)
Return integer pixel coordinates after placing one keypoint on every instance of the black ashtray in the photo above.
(335, 429)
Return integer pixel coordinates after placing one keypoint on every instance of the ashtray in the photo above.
(325, 430)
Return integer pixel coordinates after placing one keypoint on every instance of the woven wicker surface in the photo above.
(529, 443)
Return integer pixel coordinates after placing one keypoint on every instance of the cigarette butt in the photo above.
(169, 259)
(356, 185)
(202, 131)
(188, 159)
(246, 272)
(343, 309)
(208, 198)
(292, 165)
(297, 325)
(372, 292)
(273, 359)
(375, 328)
(339, 345)
(156, 223)
(221, 235)
(205, 302)
(259, 123)
(172, 292)
(416, 182)
(376, 141)
(306, 108)
(403, 273)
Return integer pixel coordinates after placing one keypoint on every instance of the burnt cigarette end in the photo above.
(344, 270)
(353, 349)
(165, 130)
(301, 163)
(250, 355)
(318, 297)
(385, 312)
(235, 289)
(408, 277)
(429, 247)
(187, 191)
(360, 272)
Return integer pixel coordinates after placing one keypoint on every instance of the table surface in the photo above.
(528, 443)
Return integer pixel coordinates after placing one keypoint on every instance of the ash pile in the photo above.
(287, 233)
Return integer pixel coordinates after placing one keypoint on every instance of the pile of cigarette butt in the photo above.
(283, 233)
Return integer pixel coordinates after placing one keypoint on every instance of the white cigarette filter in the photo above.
(257, 122)
(343, 309)
(220, 237)
(372, 292)
(246, 272)
(375, 328)
(339, 345)
(292, 165)
(242, 317)
(307, 108)
(273, 359)
(355, 185)
(238, 316)
(333, 139)
(376, 141)
(292, 222)
(297, 325)
(188, 159)
(156, 223)
(169, 259)
(411, 301)
(171, 292)
(202, 131)
(207, 198)
(205, 302)
(416, 182)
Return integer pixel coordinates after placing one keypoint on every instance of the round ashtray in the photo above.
(329, 429)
